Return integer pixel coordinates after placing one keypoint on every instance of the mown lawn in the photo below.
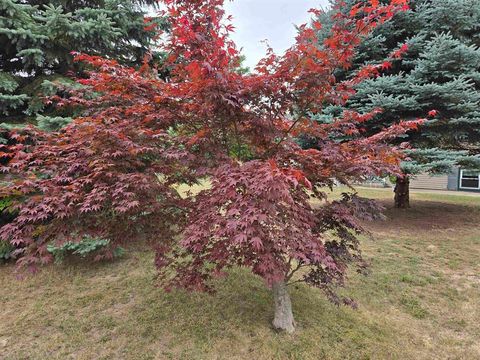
(422, 301)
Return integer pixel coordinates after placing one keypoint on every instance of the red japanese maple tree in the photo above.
(112, 172)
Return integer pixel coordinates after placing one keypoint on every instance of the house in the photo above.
(458, 180)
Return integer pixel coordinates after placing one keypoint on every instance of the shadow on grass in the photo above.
(429, 215)
(241, 311)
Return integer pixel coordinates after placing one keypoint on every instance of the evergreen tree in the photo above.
(438, 74)
(37, 38)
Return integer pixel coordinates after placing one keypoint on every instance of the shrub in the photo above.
(6, 251)
(88, 246)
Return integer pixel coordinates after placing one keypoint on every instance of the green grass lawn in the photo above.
(421, 301)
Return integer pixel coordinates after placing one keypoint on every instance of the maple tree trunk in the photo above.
(283, 319)
(402, 192)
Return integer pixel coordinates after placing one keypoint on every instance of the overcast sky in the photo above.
(272, 20)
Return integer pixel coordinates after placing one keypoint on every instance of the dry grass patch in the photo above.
(422, 301)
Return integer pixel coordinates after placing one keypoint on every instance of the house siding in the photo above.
(425, 181)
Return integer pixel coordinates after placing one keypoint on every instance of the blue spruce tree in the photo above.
(36, 41)
(440, 71)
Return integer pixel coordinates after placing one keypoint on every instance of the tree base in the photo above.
(402, 192)
(283, 320)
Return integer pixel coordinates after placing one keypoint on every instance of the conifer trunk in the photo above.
(283, 319)
(402, 192)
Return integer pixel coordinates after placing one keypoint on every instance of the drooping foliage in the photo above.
(113, 173)
(36, 41)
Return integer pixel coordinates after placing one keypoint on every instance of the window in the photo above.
(469, 179)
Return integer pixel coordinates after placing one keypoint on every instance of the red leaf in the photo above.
(386, 65)
(256, 243)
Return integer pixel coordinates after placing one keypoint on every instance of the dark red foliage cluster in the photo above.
(113, 172)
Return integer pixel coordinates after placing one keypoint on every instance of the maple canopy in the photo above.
(113, 172)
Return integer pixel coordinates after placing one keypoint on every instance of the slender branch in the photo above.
(298, 267)
(274, 149)
(295, 282)
(237, 135)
